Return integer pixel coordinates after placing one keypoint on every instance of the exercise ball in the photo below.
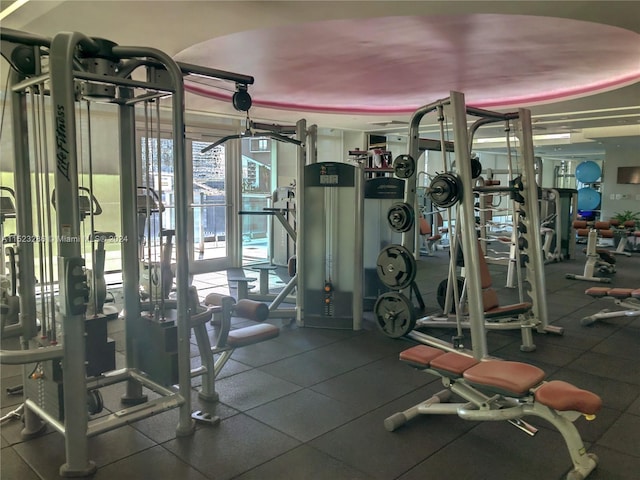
(588, 199)
(588, 172)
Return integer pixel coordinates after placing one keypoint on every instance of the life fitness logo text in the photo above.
(62, 154)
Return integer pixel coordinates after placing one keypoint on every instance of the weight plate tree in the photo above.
(395, 314)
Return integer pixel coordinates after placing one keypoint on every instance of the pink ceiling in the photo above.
(396, 64)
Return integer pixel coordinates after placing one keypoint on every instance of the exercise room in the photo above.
(309, 240)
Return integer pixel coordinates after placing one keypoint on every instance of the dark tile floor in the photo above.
(310, 404)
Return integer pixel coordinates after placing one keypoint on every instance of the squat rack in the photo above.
(446, 190)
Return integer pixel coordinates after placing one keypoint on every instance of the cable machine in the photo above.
(50, 78)
(330, 244)
(304, 139)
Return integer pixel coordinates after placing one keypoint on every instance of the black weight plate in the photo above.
(445, 190)
(400, 217)
(396, 267)
(476, 167)
(441, 293)
(404, 166)
(395, 314)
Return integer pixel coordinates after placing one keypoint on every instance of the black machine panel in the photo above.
(329, 174)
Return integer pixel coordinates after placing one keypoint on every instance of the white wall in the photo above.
(619, 197)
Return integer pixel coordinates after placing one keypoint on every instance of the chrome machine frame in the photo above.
(466, 219)
(85, 68)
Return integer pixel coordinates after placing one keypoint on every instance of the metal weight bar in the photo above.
(401, 217)
(396, 267)
(395, 314)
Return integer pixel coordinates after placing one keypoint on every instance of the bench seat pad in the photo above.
(505, 377)
(564, 396)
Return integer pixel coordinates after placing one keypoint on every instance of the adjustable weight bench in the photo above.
(627, 298)
(502, 390)
(626, 232)
(598, 259)
(214, 358)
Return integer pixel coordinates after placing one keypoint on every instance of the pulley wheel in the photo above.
(404, 166)
(395, 314)
(445, 190)
(241, 100)
(396, 267)
(401, 217)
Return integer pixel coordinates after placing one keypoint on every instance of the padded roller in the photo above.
(252, 310)
(242, 337)
(602, 225)
(578, 224)
(216, 299)
(292, 266)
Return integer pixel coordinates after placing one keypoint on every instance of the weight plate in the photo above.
(441, 293)
(401, 217)
(395, 314)
(476, 167)
(396, 267)
(445, 190)
(404, 166)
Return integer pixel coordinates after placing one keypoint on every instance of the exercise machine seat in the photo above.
(597, 292)
(253, 334)
(620, 292)
(425, 229)
(563, 396)
(453, 364)
(492, 308)
(504, 377)
(490, 303)
(420, 356)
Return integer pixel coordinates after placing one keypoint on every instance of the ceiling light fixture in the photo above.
(12, 8)
(550, 136)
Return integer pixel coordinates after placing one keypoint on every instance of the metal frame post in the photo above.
(535, 265)
(302, 155)
(469, 236)
(63, 48)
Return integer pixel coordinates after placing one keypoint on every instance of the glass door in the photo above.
(256, 195)
(212, 235)
(211, 238)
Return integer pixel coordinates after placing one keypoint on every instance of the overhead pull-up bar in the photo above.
(250, 133)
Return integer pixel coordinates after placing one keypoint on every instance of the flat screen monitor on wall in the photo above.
(629, 175)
